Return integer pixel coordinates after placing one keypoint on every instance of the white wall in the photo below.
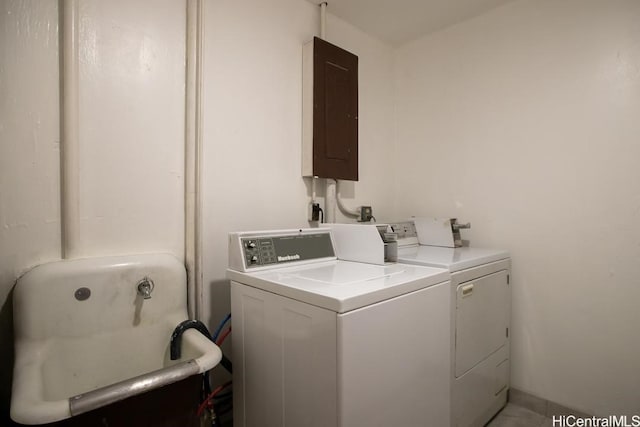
(253, 118)
(132, 59)
(132, 76)
(132, 103)
(524, 121)
(29, 153)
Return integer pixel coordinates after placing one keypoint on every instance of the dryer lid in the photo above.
(455, 259)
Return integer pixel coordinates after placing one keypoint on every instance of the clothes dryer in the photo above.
(480, 320)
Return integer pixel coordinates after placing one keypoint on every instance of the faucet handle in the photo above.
(145, 287)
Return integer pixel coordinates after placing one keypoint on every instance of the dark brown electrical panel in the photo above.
(335, 112)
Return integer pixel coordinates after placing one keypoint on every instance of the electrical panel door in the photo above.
(330, 128)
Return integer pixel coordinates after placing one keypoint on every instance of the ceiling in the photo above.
(399, 21)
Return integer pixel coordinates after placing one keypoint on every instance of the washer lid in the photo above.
(343, 286)
(455, 259)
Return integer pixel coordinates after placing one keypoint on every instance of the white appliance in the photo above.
(440, 231)
(319, 341)
(480, 320)
(370, 243)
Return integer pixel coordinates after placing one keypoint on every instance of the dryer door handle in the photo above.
(467, 290)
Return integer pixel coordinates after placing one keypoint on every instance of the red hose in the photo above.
(221, 339)
(211, 396)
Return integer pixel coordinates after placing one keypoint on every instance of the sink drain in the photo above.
(82, 294)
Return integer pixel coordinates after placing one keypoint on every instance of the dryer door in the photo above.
(482, 319)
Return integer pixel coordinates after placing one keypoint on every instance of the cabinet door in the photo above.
(284, 361)
(335, 112)
(482, 319)
(394, 360)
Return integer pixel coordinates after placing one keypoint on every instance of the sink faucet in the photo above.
(145, 287)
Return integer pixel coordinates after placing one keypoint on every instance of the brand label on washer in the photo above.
(280, 249)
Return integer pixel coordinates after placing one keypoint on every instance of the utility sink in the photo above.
(87, 337)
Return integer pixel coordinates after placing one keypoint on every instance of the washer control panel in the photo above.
(404, 229)
(262, 251)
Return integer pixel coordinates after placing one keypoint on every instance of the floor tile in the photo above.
(556, 409)
(528, 401)
(548, 423)
(517, 416)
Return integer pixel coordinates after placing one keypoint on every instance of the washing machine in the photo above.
(480, 318)
(319, 341)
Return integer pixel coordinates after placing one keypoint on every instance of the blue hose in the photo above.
(219, 329)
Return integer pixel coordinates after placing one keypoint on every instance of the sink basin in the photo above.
(86, 337)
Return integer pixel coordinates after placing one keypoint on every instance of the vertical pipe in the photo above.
(199, 146)
(323, 20)
(193, 155)
(330, 201)
(189, 158)
(330, 191)
(69, 133)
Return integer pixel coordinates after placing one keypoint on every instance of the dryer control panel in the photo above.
(406, 231)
